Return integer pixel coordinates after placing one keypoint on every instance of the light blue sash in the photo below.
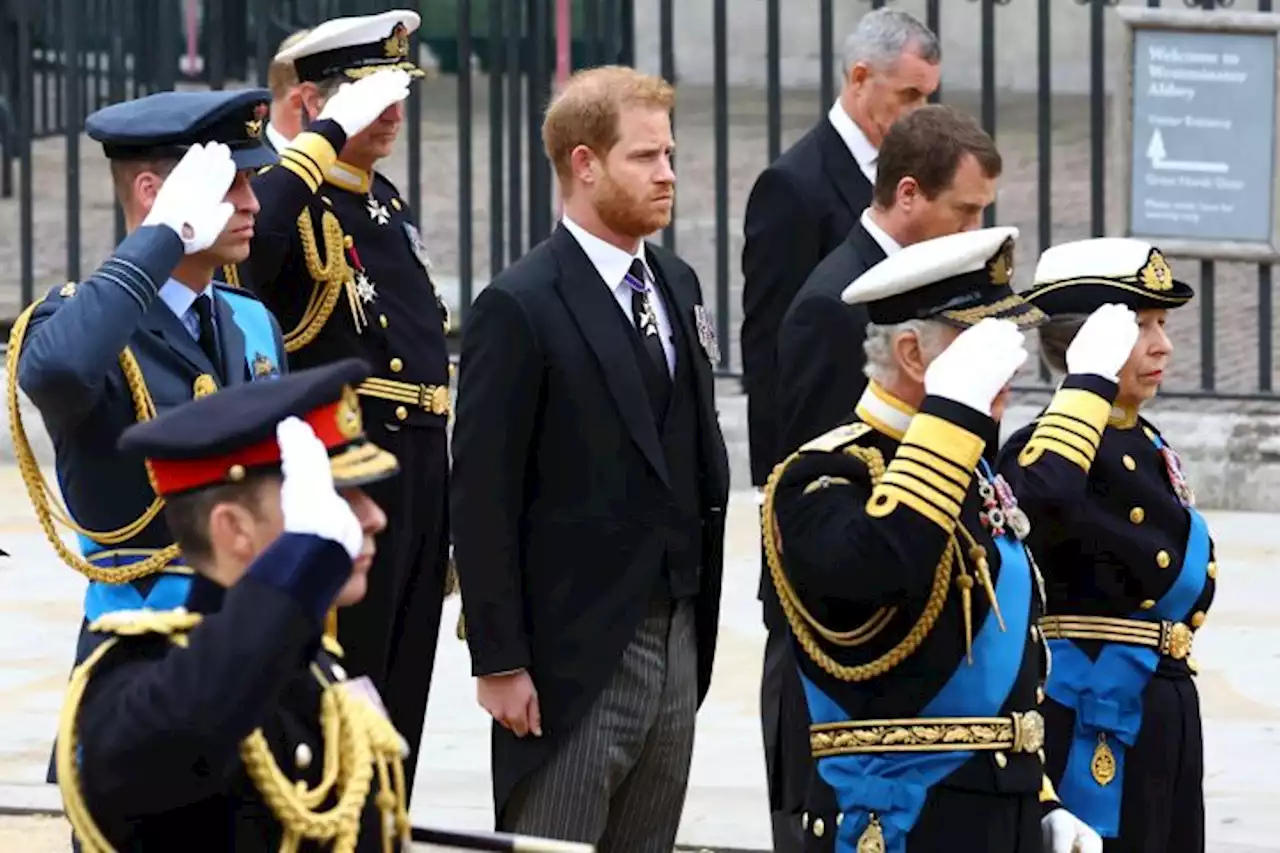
(168, 589)
(254, 322)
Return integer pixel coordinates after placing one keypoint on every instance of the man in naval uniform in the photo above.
(351, 277)
(146, 332)
(911, 602)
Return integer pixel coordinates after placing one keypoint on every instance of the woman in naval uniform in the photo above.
(1128, 563)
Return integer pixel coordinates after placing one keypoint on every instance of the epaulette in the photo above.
(840, 437)
(135, 623)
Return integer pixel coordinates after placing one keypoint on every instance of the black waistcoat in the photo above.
(678, 432)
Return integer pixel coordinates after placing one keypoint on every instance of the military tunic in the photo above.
(180, 719)
(350, 278)
(866, 525)
(1115, 540)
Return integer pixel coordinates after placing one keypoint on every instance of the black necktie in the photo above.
(208, 340)
(645, 318)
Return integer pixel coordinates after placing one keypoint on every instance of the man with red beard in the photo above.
(589, 484)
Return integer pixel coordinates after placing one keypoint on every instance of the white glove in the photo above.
(1063, 832)
(1103, 344)
(193, 200)
(977, 365)
(307, 497)
(357, 105)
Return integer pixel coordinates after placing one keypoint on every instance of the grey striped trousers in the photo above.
(619, 779)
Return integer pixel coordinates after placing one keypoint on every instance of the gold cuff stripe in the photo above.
(887, 497)
(303, 162)
(952, 442)
(429, 398)
(302, 172)
(316, 148)
(1032, 453)
(923, 489)
(1072, 425)
(936, 463)
(1062, 436)
(1082, 405)
(929, 477)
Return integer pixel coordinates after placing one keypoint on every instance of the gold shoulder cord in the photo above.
(48, 508)
(801, 620)
(330, 277)
(356, 738)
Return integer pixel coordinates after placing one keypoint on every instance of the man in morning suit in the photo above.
(936, 174)
(351, 277)
(800, 209)
(589, 488)
(911, 601)
(285, 119)
(146, 332)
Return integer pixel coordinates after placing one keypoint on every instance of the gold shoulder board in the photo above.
(135, 623)
(837, 438)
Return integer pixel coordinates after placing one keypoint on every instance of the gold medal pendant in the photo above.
(203, 386)
(1103, 765)
(872, 838)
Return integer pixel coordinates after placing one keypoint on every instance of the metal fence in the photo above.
(62, 59)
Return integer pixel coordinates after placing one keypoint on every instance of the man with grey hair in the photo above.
(801, 208)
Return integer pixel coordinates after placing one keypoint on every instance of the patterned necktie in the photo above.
(208, 340)
(644, 316)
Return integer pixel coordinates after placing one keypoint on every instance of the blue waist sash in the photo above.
(167, 589)
(1106, 695)
(894, 786)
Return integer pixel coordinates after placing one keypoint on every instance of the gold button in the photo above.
(840, 818)
(1213, 570)
(1136, 515)
(1039, 695)
(1197, 619)
(804, 821)
(395, 202)
(402, 413)
(1162, 559)
(1001, 761)
(382, 320)
(302, 756)
(396, 365)
(339, 673)
(1129, 463)
(818, 827)
(235, 473)
(1148, 604)
(348, 242)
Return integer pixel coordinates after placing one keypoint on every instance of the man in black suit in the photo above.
(286, 97)
(589, 485)
(800, 209)
(937, 174)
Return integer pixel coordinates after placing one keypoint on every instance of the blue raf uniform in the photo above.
(229, 724)
(1130, 570)
(350, 277)
(911, 603)
(129, 342)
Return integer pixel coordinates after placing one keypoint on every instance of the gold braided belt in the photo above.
(433, 399)
(1019, 732)
(1171, 639)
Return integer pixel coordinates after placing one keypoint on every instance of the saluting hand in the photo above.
(357, 105)
(977, 365)
(1104, 342)
(192, 201)
(308, 499)
(512, 701)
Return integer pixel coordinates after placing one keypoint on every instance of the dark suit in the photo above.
(801, 208)
(820, 345)
(572, 502)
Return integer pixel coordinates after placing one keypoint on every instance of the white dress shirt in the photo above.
(276, 138)
(887, 243)
(613, 264)
(859, 146)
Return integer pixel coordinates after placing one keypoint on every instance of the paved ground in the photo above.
(1235, 290)
(1239, 654)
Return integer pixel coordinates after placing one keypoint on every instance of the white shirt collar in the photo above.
(180, 298)
(878, 234)
(277, 139)
(884, 412)
(610, 262)
(859, 146)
